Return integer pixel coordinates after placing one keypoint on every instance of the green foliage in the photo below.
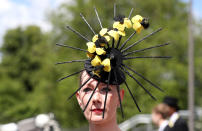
(198, 62)
(28, 74)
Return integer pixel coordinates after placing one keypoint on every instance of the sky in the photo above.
(25, 12)
(197, 8)
(15, 13)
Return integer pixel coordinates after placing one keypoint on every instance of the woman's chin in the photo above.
(96, 118)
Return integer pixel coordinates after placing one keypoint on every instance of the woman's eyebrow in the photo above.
(103, 85)
(89, 85)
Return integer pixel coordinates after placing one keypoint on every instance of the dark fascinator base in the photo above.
(114, 80)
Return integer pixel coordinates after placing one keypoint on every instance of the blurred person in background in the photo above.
(95, 108)
(176, 123)
(160, 116)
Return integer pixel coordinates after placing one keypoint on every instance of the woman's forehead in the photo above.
(92, 82)
(85, 76)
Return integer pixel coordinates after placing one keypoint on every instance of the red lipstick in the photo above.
(97, 111)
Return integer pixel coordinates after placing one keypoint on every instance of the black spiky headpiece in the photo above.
(105, 62)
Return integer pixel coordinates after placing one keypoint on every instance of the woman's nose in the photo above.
(96, 97)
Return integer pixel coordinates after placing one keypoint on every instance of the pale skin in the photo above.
(160, 114)
(157, 119)
(94, 111)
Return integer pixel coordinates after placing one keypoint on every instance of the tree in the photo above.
(27, 80)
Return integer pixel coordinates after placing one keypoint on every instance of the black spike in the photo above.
(138, 83)
(75, 48)
(87, 23)
(113, 43)
(114, 10)
(105, 104)
(117, 46)
(98, 17)
(91, 95)
(71, 61)
(70, 75)
(76, 32)
(132, 96)
(117, 87)
(141, 40)
(135, 51)
(130, 13)
(97, 68)
(106, 94)
(118, 92)
(143, 77)
(127, 40)
(127, 58)
(80, 87)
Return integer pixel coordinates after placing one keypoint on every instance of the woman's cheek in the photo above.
(112, 102)
(85, 98)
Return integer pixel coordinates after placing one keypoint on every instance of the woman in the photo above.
(94, 110)
(160, 114)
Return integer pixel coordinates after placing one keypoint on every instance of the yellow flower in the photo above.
(106, 64)
(122, 33)
(91, 47)
(96, 61)
(100, 51)
(137, 27)
(107, 38)
(97, 73)
(119, 26)
(95, 37)
(89, 55)
(102, 44)
(103, 31)
(137, 18)
(114, 34)
(127, 23)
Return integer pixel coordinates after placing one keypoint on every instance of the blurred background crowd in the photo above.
(28, 75)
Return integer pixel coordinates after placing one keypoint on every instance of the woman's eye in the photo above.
(105, 89)
(87, 89)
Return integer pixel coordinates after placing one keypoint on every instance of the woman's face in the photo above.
(155, 118)
(94, 111)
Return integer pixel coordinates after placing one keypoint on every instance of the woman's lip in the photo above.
(97, 110)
